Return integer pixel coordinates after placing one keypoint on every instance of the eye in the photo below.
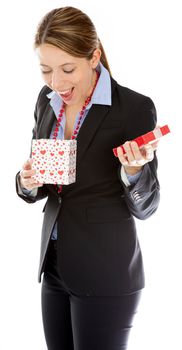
(68, 71)
(45, 72)
(65, 71)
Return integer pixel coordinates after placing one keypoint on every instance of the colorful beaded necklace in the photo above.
(77, 127)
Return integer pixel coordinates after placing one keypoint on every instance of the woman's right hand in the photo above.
(27, 180)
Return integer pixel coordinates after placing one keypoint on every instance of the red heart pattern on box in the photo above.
(54, 161)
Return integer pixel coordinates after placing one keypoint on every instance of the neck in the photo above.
(93, 82)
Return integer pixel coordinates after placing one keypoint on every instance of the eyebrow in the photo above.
(62, 65)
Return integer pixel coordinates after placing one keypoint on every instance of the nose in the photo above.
(56, 81)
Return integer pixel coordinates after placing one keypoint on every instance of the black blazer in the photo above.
(98, 249)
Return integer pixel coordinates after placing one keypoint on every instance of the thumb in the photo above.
(155, 145)
(28, 164)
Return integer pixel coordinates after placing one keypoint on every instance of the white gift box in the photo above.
(54, 161)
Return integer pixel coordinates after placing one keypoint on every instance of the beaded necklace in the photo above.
(77, 127)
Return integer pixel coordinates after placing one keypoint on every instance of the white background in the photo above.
(142, 40)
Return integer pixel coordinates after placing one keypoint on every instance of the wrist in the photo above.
(132, 170)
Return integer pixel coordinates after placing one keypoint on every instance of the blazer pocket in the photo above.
(108, 213)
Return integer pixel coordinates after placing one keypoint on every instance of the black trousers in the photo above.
(73, 322)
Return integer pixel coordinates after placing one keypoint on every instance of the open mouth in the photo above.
(67, 94)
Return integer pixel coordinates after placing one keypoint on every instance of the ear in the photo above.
(95, 58)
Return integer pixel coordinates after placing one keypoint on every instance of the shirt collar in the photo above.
(101, 95)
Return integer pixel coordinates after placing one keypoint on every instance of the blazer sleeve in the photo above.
(143, 197)
(42, 192)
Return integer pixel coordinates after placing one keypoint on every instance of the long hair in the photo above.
(72, 31)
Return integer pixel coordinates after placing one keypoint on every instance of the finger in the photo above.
(33, 186)
(37, 184)
(129, 153)
(155, 145)
(29, 181)
(149, 153)
(27, 173)
(122, 156)
(28, 164)
(136, 153)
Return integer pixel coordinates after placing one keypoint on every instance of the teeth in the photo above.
(65, 92)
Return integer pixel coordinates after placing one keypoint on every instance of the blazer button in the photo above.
(136, 196)
(59, 199)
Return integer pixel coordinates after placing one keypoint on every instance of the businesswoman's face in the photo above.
(71, 77)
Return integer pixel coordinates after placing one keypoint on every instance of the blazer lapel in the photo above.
(89, 127)
(92, 122)
(46, 124)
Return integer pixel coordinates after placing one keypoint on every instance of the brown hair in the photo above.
(72, 31)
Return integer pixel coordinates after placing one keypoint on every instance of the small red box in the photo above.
(149, 137)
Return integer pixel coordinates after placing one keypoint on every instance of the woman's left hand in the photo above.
(135, 158)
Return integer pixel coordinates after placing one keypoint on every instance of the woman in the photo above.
(90, 254)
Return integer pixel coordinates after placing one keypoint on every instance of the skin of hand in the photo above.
(135, 158)
(26, 176)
